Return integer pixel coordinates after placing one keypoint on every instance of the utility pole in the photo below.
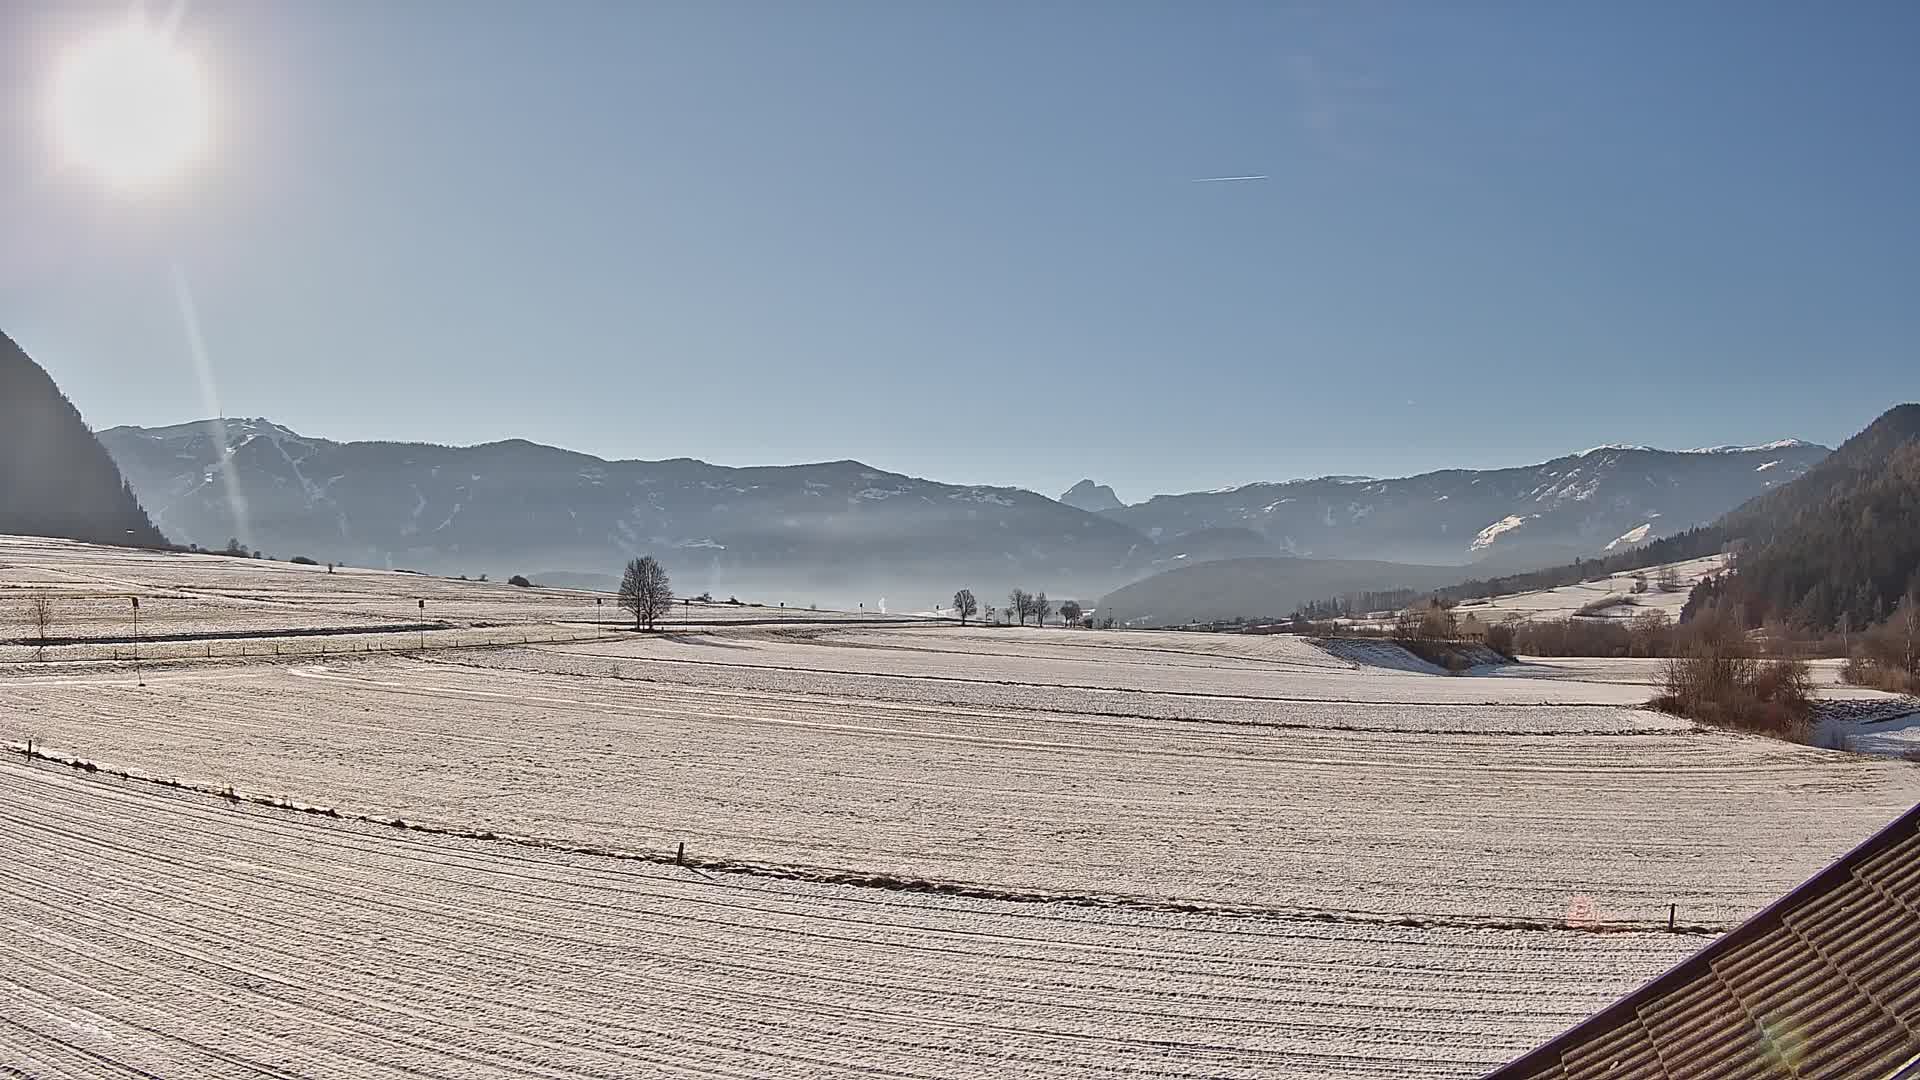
(423, 625)
(599, 608)
(138, 679)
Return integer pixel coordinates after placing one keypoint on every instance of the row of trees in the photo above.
(1888, 655)
(1021, 605)
(1429, 620)
(1355, 603)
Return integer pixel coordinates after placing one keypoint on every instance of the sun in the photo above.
(130, 107)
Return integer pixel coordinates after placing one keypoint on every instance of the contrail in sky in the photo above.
(1225, 179)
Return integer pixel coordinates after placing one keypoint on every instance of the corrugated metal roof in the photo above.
(1822, 985)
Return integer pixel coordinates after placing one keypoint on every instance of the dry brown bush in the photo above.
(1500, 638)
(1716, 679)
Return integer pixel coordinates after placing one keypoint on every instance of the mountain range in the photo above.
(1602, 499)
(823, 533)
(1838, 549)
(834, 532)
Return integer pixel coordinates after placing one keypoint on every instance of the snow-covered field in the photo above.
(913, 852)
(1568, 600)
(154, 933)
(201, 605)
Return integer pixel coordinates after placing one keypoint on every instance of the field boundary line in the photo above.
(1277, 725)
(1208, 695)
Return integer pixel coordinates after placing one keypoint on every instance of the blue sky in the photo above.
(963, 241)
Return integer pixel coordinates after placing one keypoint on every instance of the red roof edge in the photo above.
(1693, 966)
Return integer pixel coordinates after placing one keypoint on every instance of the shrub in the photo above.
(1572, 637)
(1441, 654)
(303, 560)
(1500, 638)
(1717, 680)
(1866, 671)
(1785, 680)
(520, 581)
(1888, 655)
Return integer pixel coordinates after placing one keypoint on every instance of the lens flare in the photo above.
(130, 107)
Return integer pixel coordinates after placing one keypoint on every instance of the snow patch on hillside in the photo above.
(981, 497)
(1493, 532)
(1777, 444)
(1635, 535)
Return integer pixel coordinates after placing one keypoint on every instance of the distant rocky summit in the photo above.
(1091, 497)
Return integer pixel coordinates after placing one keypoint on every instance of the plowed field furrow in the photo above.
(252, 942)
(1063, 855)
(1476, 825)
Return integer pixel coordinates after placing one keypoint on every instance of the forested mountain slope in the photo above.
(1838, 548)
(1835, 548)
(55, 478)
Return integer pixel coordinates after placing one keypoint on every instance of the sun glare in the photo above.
(130, 107)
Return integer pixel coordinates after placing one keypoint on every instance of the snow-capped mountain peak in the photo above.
(1777, 444)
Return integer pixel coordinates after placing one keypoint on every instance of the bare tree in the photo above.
(1070, 612)
(40, 616)
(1041, 609)
(1425, 620)
(1648, 633)
(1907, 618)
(645, 591)
(1020, 605)
(965, 605)
(1667, 580)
